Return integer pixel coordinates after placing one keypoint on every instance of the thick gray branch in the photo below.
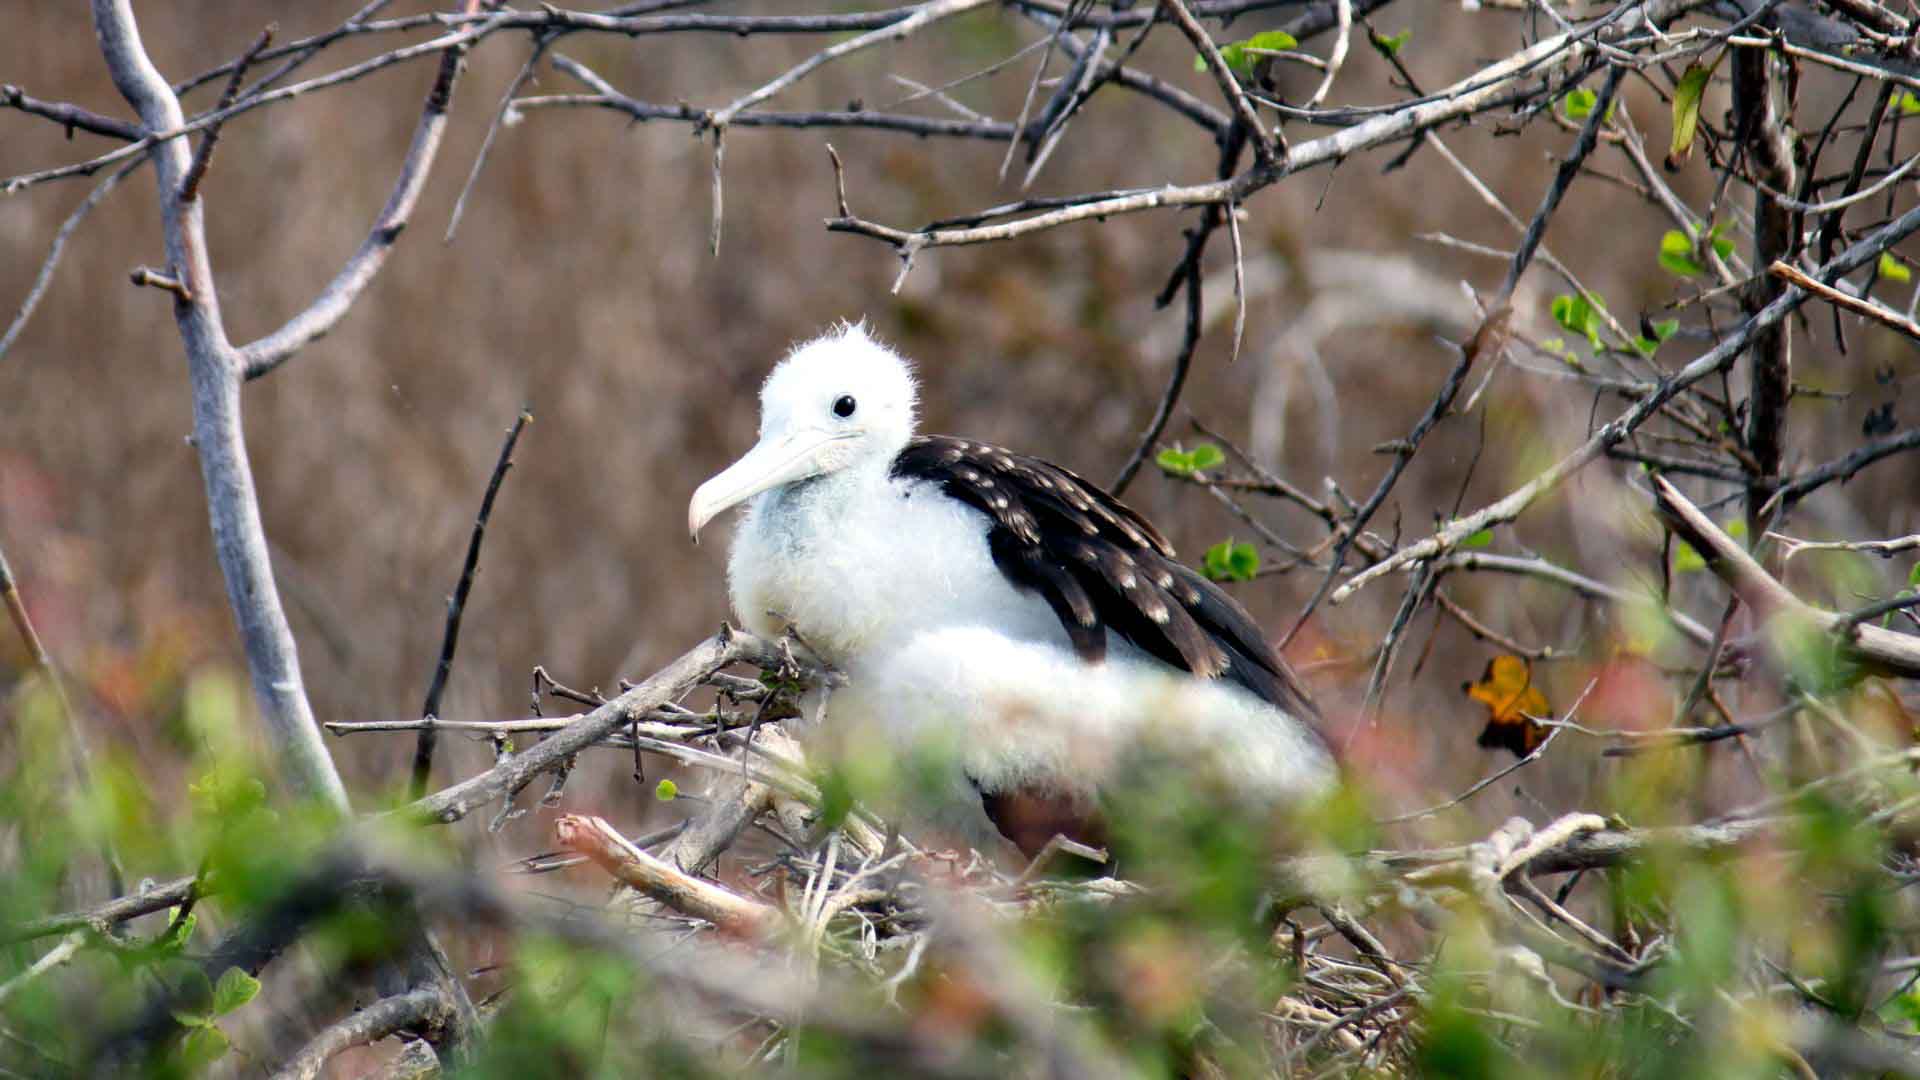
(213, 365)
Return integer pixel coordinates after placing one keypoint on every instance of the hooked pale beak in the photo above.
(774, 461)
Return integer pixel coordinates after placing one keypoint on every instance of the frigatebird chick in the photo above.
(994, 607)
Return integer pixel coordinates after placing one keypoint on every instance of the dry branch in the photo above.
(1870, 646)
(732, 913)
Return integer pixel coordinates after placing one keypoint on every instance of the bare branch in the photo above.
(413, 1010)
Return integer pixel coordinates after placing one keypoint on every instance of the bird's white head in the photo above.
(836, 402)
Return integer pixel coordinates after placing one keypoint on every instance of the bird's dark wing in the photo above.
(1102, 567)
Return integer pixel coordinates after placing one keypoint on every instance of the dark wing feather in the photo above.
(1102, 567)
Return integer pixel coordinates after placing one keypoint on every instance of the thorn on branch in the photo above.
(203, 156)
(148, 276)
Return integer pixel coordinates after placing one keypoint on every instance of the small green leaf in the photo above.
(1736, 528)
(666, 790)
(1577, 315)
(1478, 540)
(1176, 462)
(1913, 576)
(1665, 329)
(1676, 254)
(1230, 560)
(1686, 111)
(1893, 269)
(1579, 103)
(1906, 103)
(176, 936)
(234, 989)
(1392, 44)
(1685, 559)
(1722, 246)
(203, 1045)
(188, 1019)
(1205, 456)
(1241, 60)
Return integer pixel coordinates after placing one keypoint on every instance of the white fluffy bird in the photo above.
(992, 605)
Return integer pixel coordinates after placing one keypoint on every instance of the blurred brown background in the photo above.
(580, 285)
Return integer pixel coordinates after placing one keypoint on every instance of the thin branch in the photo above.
(72, 117)
(427, 1008)
(57, 249)
(1864, 644)
(203, 157)
(457, 606)
(729, 911)
(325, 312)
(1614, 432)
(1266, 149)
(1859, 305)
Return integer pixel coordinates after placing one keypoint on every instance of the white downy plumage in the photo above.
(893, 581)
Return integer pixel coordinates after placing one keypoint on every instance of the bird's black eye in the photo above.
(843, 407)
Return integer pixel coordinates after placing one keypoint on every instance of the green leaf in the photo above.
(1392, 44)
(1913, 576)
(234, 989)
(1239, 58)
(1577, 315)
(1665, 329)
(1177, 462)
(176, 936)
(1906, 103)
(1206, 456)
(1893, 269)
(188, 1019)
(666, 790)
(1676, 254)
(1685, 559)
(1230, 560)
(1686, 111)
(1579, 103)
(203, 1045)
(1478, 540)
(1722, 246)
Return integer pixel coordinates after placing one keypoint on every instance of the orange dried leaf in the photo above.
(1508, 692)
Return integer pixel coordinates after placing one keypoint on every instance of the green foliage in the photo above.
(1686, 109)
(1577, 315)
(1187, 462)
(1391, 44)
(1905, 103)
(1240, 56)
(1481, 539)
(1893, 269)
(666, 791)
(1231, 560)
(1678, 254)
(1579, 103)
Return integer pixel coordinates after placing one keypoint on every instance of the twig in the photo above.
(1843, 468)
(507, 104)
(203, 157)
(57, 249)
(1859, 305)
(1182, 364)
(1612, 433)
(1266, 148)
(325, 312)
(1866, 644)
(730, 912)
(49, 960)
(457, 606)
(668, 684)
(415, 1009)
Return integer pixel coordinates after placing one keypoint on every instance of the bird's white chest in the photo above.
(854, 562)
